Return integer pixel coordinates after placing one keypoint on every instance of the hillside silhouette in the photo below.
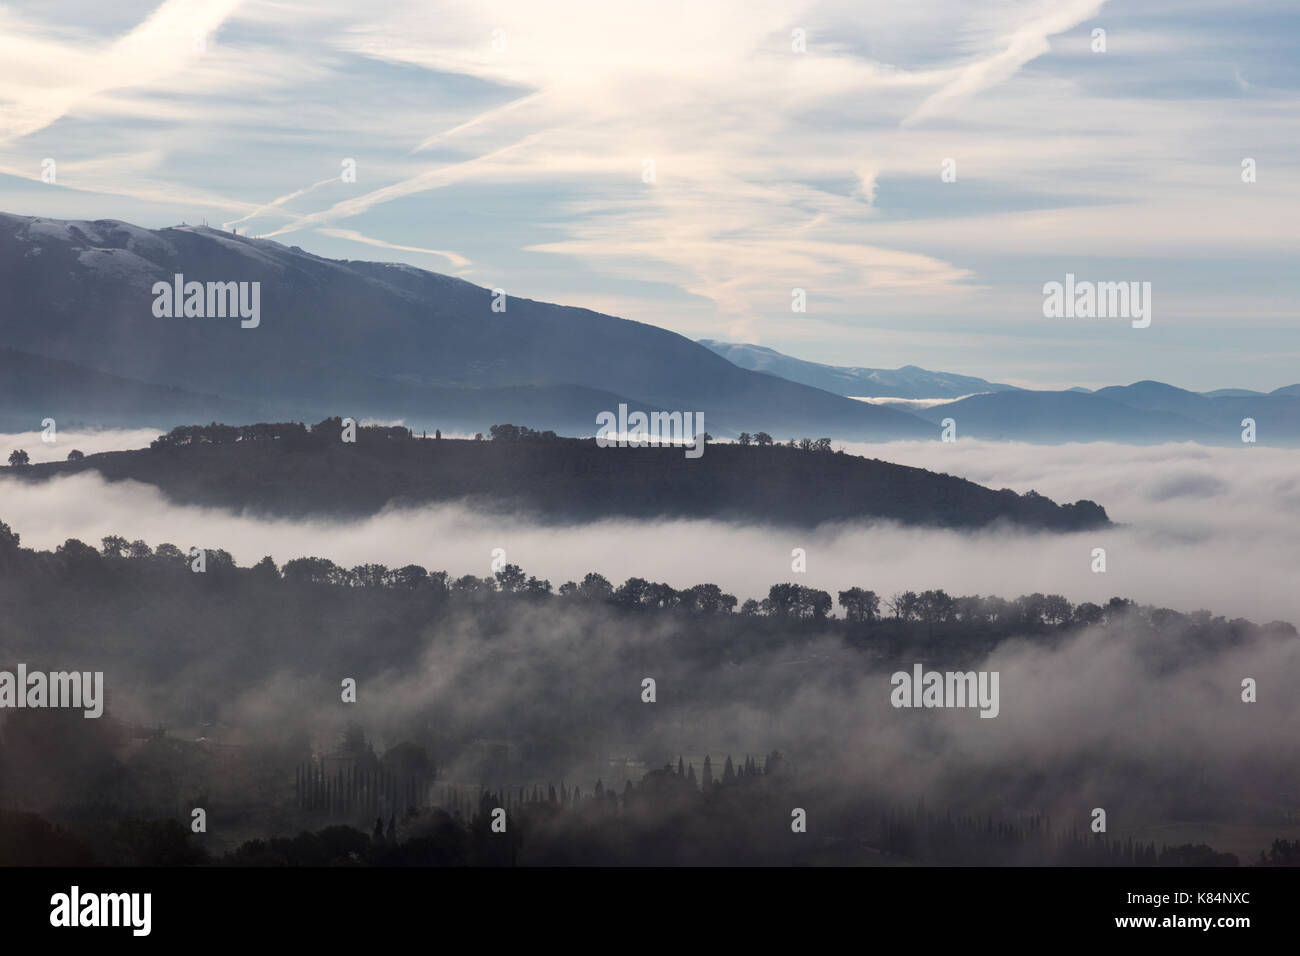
(289, 469)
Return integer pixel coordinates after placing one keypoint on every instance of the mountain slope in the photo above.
(1276, 415)
(906, 382)
(369, 339)
(1158, 396)
(33, 387)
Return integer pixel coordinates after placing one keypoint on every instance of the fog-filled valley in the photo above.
(495, 682)
(1185, 516)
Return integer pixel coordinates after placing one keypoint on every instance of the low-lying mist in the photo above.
(1146, 723)
(1197, 527)
(1150, 729)
(88, 441)
(1143, 719)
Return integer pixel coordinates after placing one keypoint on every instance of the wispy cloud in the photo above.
(457, 260)
(1022, 45)
(44, 79)
(277, 203)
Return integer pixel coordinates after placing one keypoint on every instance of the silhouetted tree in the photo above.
(859, 605)
(935, 606)
(1057, 609)
(511, 578)
(782, 600)
(406, 578)
(632, 592)
(138, 550)
(170, 553)
(595, 587)
(1087, 613)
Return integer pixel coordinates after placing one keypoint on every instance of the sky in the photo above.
(920, 170)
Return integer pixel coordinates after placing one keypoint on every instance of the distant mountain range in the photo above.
(79, 342)
(1144, 412)
(906, 382)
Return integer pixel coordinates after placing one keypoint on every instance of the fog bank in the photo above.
(1197, 527)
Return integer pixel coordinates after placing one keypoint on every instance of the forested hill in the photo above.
(292, 470)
